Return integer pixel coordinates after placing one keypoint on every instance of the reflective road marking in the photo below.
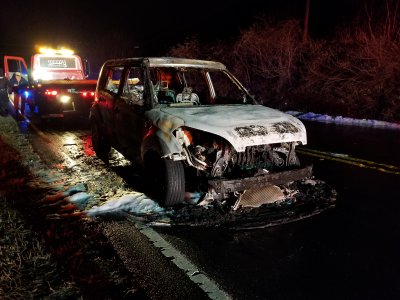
(347, 159)
(205, 283)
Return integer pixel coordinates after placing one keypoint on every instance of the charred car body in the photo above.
(194, 127)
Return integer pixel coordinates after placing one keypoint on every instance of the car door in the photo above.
(130, 122)
(107, 93)
(14, 64)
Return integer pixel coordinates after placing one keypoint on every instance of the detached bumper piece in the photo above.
(302, 199)
(227, 186)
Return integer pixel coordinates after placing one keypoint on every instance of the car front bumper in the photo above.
(223, 187)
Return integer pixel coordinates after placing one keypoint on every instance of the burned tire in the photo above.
(165, 179)
(99, 141)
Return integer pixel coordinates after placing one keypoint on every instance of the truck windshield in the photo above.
(57, 62)
(54, 67)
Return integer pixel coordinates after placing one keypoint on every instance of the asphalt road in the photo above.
(349, 252)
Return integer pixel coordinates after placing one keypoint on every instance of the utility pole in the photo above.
(306, 16)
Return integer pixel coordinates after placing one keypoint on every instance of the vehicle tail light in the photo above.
(51, 92)
(88, 94)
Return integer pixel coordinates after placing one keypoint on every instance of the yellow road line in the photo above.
(362, 163)
(348, 157)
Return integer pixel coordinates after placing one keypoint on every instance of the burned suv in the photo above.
(194, 128)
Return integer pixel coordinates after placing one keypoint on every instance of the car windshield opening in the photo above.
(195, 86)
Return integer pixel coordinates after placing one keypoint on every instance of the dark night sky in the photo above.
(150, 26)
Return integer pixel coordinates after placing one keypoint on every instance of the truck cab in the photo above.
(57, 82)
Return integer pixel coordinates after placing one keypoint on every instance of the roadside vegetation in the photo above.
(27, 270)
(354, 73)
(47, 251)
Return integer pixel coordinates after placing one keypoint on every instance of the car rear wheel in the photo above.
(99, 141)
(165, 179)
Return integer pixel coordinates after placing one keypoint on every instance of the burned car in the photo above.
(194, 128)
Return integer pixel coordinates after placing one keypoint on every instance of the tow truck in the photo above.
(58, 84)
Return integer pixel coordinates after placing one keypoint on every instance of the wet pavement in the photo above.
(343, 252)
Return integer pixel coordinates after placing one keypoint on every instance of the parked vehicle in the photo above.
(58, 84)
(194, 128)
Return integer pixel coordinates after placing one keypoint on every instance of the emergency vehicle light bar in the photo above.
(51, 51)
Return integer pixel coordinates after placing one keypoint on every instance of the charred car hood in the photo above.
(241, 125)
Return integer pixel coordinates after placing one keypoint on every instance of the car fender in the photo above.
(95, 115)
(163, 143)
(161, 133)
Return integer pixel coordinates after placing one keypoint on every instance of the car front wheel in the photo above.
(165, 179)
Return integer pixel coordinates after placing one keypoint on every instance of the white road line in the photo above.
(193, 272)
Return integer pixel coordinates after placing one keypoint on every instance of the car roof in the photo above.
(168, 62)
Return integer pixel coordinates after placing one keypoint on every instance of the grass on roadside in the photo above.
(27, 270)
